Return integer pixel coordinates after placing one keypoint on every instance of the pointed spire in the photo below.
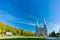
(37, 23)
(45, 27)
(44, 21)
(36, 28)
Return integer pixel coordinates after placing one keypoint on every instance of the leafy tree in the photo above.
(15, 31)
(57, 34)
(52, 34)
(21, 32)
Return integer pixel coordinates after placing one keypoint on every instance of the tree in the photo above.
(21, 32)
(52, 34)
(57, 34)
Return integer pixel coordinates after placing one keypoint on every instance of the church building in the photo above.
(41, 30)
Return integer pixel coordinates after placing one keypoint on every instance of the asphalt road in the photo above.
(51, 38)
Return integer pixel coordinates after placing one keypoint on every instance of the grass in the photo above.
(20, 38)
(24, 39)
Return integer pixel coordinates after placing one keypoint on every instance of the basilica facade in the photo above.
(41, 30)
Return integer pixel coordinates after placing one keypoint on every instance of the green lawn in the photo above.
(24, 39)
(20, 38)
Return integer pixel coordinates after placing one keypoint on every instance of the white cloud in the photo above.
(6, 16)
(53, 27)
(32, 24)
(57, 27)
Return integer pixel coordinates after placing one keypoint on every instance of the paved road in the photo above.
(51, 38)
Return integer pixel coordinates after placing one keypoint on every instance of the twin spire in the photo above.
(41, 30)
(44, 22)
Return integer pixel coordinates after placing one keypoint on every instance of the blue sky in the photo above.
(23, 14)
